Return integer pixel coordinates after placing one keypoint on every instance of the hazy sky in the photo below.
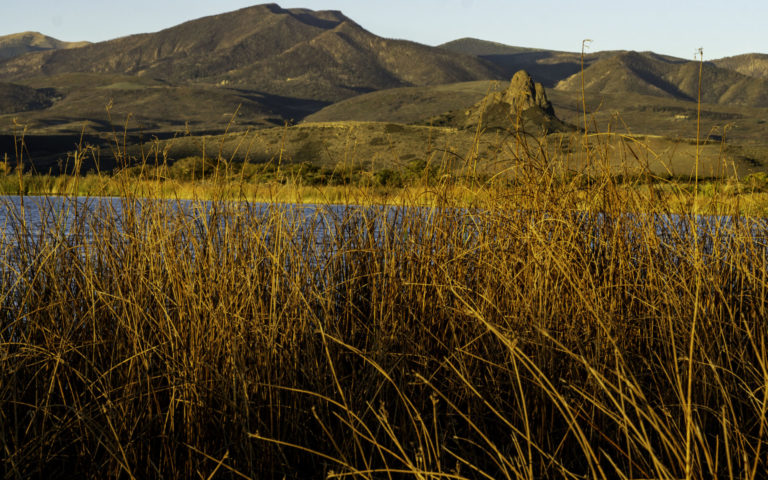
(674, 27)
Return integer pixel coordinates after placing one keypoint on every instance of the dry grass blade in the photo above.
(535, 322)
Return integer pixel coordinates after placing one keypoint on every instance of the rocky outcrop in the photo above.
(524, 104)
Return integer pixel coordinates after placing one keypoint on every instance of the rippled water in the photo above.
(37, 217)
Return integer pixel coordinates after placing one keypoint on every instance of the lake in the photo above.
(40, 218)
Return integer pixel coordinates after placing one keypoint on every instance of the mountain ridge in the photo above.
(738, 80)
(647, 74)
(265, 46)
(17, 44)
(750, 64)
(281, 65)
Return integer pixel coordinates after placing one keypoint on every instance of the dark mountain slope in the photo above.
(348, 60)
(151, 105)
(545, 66)
(18, 98)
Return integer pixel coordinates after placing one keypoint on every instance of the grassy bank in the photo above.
(378, 163)
(521, 341)
(747, 196)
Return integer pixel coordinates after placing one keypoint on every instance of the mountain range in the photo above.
(300, 53)
(274, 65)
(738, 80)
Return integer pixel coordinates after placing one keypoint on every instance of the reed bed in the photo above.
(521, 337)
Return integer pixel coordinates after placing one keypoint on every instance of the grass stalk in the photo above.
(526, 325)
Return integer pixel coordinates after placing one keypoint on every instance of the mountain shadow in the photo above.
(19, 98)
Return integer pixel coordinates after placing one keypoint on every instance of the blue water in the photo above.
(339, 235)
(37, 220)
(45, 218)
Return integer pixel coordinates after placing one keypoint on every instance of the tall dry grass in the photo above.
(558, 327)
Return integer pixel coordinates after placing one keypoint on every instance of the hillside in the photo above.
(320, 55)
(643, 73)
(651, 74)
(406, 104)
(144, 104)
(545, 66)
(20, 43)
(648, 114)
(18, 98)
(627, 72)
(750, 64)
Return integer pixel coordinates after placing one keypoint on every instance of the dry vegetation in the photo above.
(548, 324)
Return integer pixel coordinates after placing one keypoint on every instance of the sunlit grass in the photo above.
(531, 323)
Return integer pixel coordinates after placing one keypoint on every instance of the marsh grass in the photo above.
(544, 324)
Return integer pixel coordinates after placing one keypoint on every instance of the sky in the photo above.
(672, 27)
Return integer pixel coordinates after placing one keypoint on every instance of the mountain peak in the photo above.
(325, 19)
(483, 48)
(273, 7)
(17, 44)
